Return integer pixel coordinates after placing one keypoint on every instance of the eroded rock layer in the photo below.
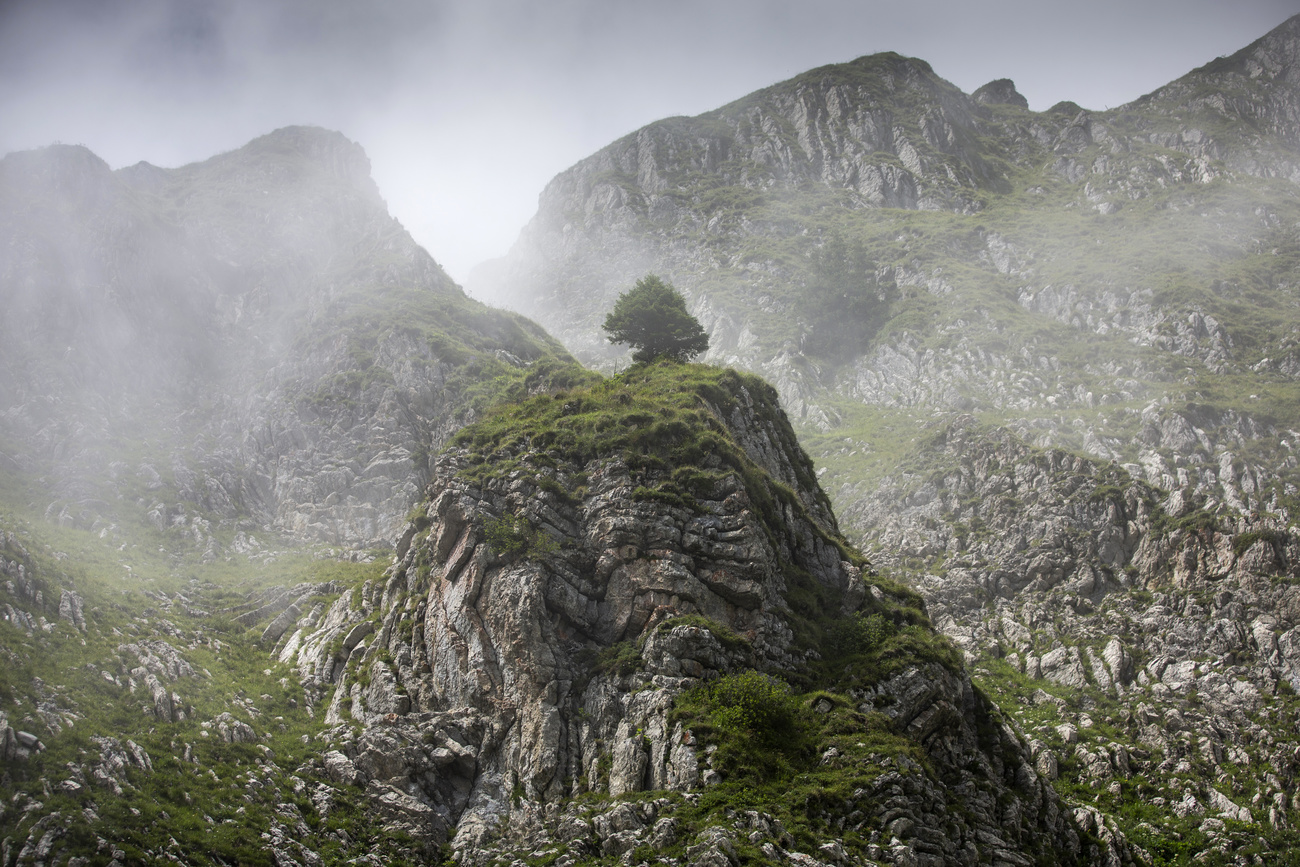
(516, 694)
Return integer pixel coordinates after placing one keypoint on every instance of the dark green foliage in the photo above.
(652, 318)
(1242, 543)
(754, 705)
(512, 535)
(848, 303)
(859, 633)
(769, 746)
(620, 659)
(1198, 521)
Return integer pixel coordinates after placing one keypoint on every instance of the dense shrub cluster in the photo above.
(754, 705)
(860, 633)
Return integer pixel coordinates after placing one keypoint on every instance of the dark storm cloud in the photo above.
(468, 108)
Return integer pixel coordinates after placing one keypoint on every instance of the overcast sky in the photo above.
(468, 107)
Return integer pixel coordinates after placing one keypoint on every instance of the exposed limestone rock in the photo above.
(1084, 579)
(1000, 92)
(159, 659)
(114, 759)
(70, 609)
(15, 744)
(232, 730)
(478, 679)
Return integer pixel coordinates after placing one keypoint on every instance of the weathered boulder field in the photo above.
(509, 686)
(1147, 640)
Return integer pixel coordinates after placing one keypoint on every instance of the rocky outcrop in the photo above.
(1169, 617)
(1000, 92)
(1228, 90)
(491, 687)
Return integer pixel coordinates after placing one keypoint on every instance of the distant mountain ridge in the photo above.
(289, 351)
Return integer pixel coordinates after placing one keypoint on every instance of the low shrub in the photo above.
(753, 705)
(513, 536)
(860, 633)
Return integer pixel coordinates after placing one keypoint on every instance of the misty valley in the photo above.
(970, 539)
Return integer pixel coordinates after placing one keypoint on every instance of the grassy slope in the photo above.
(203, 795)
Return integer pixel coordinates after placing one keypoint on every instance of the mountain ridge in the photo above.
(1057, 406)
(1061, 408)
(252, 310)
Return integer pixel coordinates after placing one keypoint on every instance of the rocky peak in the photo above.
(1000, 92)
(820, 127)
(1243, 108)
(581, 569)
(280, 158)
(328, 148)
(1272, 56)
(59, 171)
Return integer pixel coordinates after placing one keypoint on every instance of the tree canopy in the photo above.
(652, 318)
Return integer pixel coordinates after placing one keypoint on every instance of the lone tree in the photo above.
(651, 317)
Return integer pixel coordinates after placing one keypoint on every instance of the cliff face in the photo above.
(275, 347)
(553, 607)
(1046, 366)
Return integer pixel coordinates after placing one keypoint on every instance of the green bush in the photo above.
(754, 705)
(860, 633)
(620, 659)
(1242, 543)
(513, 536)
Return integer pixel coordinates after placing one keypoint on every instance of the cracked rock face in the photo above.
(492, 687)
(1172, 617)
(512, 642)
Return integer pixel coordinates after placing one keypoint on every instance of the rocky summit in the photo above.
(544, 670)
